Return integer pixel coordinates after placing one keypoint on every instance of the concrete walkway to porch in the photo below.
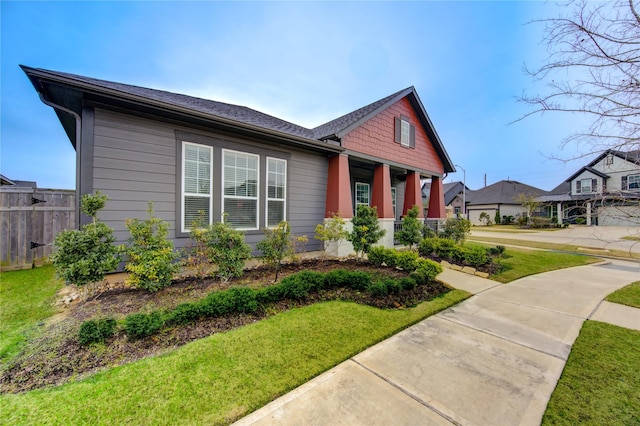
(493, 359)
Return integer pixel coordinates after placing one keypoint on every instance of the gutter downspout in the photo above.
(78, 147)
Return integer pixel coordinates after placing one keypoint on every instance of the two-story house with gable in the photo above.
(605, 192)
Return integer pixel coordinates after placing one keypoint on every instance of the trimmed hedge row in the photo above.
(447, 249)
(296, 287)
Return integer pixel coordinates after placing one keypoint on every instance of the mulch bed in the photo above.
(55, 356)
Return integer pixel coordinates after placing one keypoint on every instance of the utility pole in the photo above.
(464, 191)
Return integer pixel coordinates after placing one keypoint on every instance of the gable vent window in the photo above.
(609, 160)
(405, 132)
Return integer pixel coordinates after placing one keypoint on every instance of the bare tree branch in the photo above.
(593, 69)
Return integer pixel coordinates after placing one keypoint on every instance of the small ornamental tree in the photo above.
(196, 255)
(485, 218)
(85, 255)
(411, 232)
(456, 229)
(227, 249)
(366, 230)
(150, 255)
(330, 232)
(276, 246)
(497, 219)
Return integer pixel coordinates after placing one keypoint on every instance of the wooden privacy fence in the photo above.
(30, 219)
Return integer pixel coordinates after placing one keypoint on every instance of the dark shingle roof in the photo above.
(220, 109)
(228, 114)
(450, 189)
(336, 126)
(502, 192)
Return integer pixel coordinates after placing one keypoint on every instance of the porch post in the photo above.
(413, 194)
(560, 213)
(338, 201)
(338, 198)
(588, 213)
(436, 199)
(381, 200)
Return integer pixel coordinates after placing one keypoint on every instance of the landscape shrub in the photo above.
(85, 255)
(427, 232)
(378, 289)
(428, 246)
(411, 232)
(426, 271)
(184, 313)
(475, 256)
(456, 229)
(337, 278)
(496, 251)
(407, 260)
(242, 299)
(332, 233)
(276, 246)
(94, 331)
(408, 283)
(377, 255)
(292, 287)
(313, 279)
(138, 326)
(227, 250)
(196, 254)
(150, 255)
(445, 248)
(496, 218)
(359, 280)
(366, 230)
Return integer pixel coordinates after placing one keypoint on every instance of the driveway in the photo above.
(599, 237)
(494, 359)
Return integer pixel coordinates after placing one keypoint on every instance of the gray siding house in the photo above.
(188, 155)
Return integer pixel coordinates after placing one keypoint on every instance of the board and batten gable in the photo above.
(137, 160)
(376, 137)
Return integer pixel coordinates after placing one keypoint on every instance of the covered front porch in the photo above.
(391, 188)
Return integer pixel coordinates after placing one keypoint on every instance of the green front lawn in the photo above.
(551, 246)
(519, 263)
(26, 299)
(629, 295)
(600, 384)
(223, 377)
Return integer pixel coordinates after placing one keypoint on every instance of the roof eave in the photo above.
(37, 75)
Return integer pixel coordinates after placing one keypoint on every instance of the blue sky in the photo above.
(305, 62)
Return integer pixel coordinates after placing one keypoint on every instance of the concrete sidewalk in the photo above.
(494, 359)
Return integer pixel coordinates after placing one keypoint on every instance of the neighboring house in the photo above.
(503, 197)
(5, 181)
(453, 198)
(189, 155)
(604, 192)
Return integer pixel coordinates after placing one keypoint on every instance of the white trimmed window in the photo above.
(276, 191)
(633, 181)
(196, 184)
(393, 201)
(405, 132)
(586, 186)
(240, 183)
(363, 195)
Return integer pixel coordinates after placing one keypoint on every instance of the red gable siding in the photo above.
(376, 137)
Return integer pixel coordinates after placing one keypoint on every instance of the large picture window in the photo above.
(240, 183)
(634, 182)
(196, 184)
(276, 191)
